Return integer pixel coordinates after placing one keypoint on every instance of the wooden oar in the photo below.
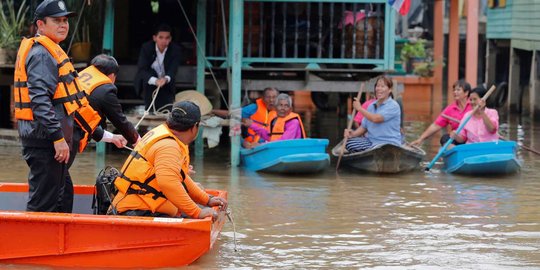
(349, 126)
(522, 146)
(461, 126)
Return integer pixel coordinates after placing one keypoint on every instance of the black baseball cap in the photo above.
(52, 8)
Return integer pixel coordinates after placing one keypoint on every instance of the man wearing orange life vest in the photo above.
(286, 125)
(260, 112)
(155, 181)
(46, 94)
(98, 83)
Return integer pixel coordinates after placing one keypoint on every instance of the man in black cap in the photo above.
(155, 178)
(47, 92)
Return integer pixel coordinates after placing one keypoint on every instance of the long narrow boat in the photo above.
(482, 158)
(287, 156)
(384, 158)
(98, 241)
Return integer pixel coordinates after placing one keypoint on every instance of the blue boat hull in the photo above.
(288, 156)
(482, 158)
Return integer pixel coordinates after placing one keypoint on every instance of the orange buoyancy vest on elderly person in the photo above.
(68, 91)
(138, 184)
(278, 127)
(262, 117)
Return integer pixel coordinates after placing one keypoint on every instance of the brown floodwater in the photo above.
(415, 220)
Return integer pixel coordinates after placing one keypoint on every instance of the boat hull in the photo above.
(482, 158)
(287, 156)
(385, 158)
(86, 240)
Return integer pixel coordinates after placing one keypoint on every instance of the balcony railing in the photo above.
(317, 33)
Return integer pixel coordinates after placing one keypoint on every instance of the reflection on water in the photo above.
(416, 221)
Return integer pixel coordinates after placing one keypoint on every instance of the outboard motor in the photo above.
(104, 191)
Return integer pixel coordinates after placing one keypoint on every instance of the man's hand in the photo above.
(191, 170)
(61, 149)
(119, 140)
(161, 82)
(208, 212)
(218, 201)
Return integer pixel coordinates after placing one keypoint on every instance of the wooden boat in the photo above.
(384, 158)
(287, 156)
(482, 158)
(85, 240)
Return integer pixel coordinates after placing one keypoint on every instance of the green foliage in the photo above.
(12, 23)
(414, 50)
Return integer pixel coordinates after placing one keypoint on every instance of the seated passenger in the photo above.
(155, 178)
(451, 115)
(381, 123)
(286, 125)
(484, 123)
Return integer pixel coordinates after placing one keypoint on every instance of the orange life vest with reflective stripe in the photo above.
(87, 118)
(278, 127)
(138, 177)
(262, 117)
(67, 91)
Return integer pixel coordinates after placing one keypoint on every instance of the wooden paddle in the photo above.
(522, 146)
(461, 126)
(349, 126)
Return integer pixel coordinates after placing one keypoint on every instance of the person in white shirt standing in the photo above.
(158, 62)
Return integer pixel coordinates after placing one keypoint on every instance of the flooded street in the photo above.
(416, 220)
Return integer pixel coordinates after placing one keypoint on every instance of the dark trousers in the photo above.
(445, 138)
(50, 185)
(164, 97)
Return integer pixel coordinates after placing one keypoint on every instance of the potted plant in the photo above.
(414, 53)
(12, 24)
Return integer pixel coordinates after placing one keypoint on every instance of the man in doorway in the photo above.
(158, 62)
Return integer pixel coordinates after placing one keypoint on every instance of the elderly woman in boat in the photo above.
(286, 125)
(381, 123)
(451, 115)
(484, 123)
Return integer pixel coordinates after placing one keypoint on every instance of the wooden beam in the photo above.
(471, 67)
(453, 48)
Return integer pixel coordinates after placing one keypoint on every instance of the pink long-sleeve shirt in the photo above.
(292, 131)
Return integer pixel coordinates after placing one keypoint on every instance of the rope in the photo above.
(152, 107)
(229, 216)
(202, 53)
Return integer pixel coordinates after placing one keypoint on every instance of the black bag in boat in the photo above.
(104, 191)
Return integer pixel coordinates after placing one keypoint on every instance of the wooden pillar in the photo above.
(534, 100)
(471, 67)
(513, 83)
(438, 38)
(236, 34)
(201, 63)
(453, 48)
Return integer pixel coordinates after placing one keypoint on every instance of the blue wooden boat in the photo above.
(383, 158)
(287, 156)
(482, 158)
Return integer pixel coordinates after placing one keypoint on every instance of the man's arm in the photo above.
(112, 110)
(173, 58)
(144, 64)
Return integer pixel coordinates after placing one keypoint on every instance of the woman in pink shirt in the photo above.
(484, 123)
(451, 115)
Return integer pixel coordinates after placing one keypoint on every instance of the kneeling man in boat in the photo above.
(155, 181)
(286, 125)
(381, 122)
(484, 123)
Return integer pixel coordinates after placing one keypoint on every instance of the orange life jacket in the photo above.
(87, 118)
(138, 177)
(278, 127)
(67, 91)
(262, 117)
